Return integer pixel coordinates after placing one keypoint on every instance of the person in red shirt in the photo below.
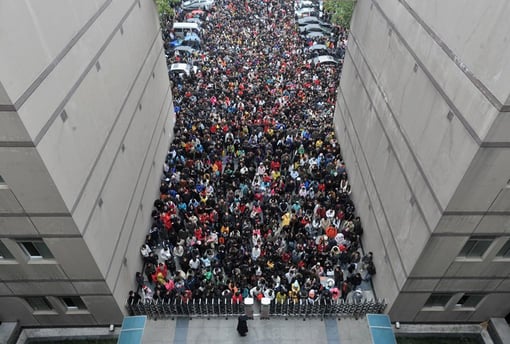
(162, 268)
(166, 219)
(237, 298)
(275, 165)
(198, 234)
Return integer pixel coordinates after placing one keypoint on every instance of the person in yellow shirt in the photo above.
(225, 229)
(285, 219)
(281, 297)
(294, 292)
(318, 143)
(275, 175)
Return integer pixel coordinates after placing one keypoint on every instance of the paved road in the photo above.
(222, 331)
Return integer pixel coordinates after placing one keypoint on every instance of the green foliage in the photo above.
(341, 11)
(164, 7)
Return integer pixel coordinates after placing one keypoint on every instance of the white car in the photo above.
(323, 60)
(182, 68)
(307, 12)
(197, 5)
(305, 3)
(308, 20)
(316, 47)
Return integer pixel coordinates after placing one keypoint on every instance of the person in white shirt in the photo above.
(261, 169)
(194, 263)
(269, 293)
(255, 252)
(145, 250)
(290, 275)
(147, 293)
(165, 253)
(255, 291)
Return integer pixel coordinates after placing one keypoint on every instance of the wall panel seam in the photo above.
(38, 81)
(400, 165)
(365, 182)
(457, 61)
(73, 89)
(110, 132)
(119, 148)
(145, 185)
(429, 75)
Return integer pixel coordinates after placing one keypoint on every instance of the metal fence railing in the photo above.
(208, 308)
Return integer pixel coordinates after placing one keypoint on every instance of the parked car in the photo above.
(306, 3)
(308, 20)
(175, 42)
(304, 30)
(179, 69)
(197, 5)
(307, 11)
(318, 50)
(201, 14)
(313, 20)
(192, 40)
(323, 60)
(194, 20)
(314, 34)
(185, 49)
(318, 47)
(181, 29)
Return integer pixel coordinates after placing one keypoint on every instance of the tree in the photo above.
(341, 11)
(164, 8)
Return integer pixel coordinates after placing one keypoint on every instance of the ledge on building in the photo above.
(499, 330)
(9, 332)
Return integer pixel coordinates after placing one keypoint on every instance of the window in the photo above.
(438, 300)
(73, 303)
(36, 249)
(39, 303)
(3, 184)
(4, 252)
(505, 250)
(469, 300)
(475, 247)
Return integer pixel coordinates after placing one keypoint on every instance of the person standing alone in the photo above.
(242, 325)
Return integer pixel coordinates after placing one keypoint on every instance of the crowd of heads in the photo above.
(255, 197)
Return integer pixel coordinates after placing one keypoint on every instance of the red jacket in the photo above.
(237, 299)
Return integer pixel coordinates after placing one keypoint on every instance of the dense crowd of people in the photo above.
(254, 198)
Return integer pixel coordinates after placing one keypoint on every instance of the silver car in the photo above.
(197, 5)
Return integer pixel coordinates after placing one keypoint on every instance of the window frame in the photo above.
(466, 304)
(32, 302)
(5, 253)
(3, 183)
(35, 242)
(435, 306)
(475, 241)
(504, 251)
(77, 304)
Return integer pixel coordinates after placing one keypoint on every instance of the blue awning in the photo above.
(132, 330)
(381, 329)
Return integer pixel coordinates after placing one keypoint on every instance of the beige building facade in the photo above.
(423, 119)
(85, 121)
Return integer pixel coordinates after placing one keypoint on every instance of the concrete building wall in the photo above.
(424, 130)
(84, 128)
